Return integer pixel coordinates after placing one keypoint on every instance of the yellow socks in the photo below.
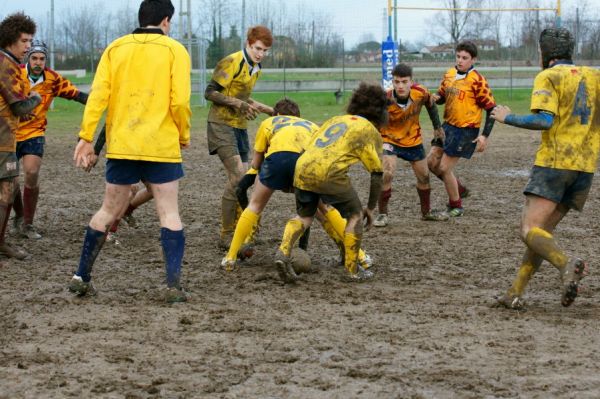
(542, 243)
(293, 230)
(351, 247)
(243, 229)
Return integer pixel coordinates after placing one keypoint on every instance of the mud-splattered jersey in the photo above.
(52, 85)
(283, 133)
(236, 74)
(12, 90)
(571, 93)
(465, 97)
(340, 142)
(403, 128)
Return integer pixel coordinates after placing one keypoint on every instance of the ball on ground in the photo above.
(301, 261)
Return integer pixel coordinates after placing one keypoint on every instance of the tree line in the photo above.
(304, 35)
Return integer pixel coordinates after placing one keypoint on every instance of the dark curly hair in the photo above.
(286, 107)
(370, 102)
(13, 26)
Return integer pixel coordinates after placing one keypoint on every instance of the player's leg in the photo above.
(164, 184)
(421, 172)
(306, 205)
(434, 158)
(31, 168)
(141, 197)
(446, 168)
(248, 219)
(115, 198)
(390, 162)
(335, 225)
(8, 180)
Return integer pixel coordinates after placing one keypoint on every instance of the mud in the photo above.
(424, 328)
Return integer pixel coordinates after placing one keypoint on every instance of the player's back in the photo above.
(284, 133)
(339, 143)
(571, 93)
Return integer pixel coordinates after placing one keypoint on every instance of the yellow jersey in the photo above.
(144, 80)
(403, 128)
(52, 85)
(12, 89)
(466, 96)
(572, 94)
(283, 133)
(237, 75)
(340, 142)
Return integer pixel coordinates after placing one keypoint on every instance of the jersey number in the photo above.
(332, 134)
(280, 122)
(581, 108)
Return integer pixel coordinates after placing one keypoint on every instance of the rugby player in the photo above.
(229, 91)
(322, 174)
(564, 105)
(143, 78)
(402, 139)
(16, 35)
(465, 93)
(31, 131)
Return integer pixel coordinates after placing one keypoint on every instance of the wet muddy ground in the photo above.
(423, 328)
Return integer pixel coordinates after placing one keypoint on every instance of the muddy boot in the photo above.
(284, 268)
(12, 252)
(360, 275)
(573, 272)
(176, 295)
(513, 302)
(80, 288)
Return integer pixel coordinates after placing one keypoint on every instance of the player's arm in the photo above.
(538, 120)
(214, 93)
(180, 94)
(65, 89)
(24, 107)
(434, 116)
(100, 142)
(247, 181)
(374, 193)
(265, 109)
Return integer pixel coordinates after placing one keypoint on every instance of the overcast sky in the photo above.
(353, 19)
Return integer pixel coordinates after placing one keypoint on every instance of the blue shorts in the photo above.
(459, 141)
(243, 144)
(567, 187)
(126, 171)
(33, 146)
(410, 154)
(277, 171)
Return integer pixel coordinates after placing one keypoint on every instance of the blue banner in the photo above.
(389, 59)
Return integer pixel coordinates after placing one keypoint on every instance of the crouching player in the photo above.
(322, 174)
(279, 142)
(402, 139)
(564, 105)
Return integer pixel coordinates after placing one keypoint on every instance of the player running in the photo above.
(229, 91)
(564, 105)
(31, 131)
(16, 34)
(402, 139)
(465, 93)
(322, 174)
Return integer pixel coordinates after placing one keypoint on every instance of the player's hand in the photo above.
(368, 218)
(248, 111)
(481, 143)
(500, 112)
(92, 161)
(439, 133)
(241, 190)
(433, 99)
(34, 93)
(82, 155)
(184, 146)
